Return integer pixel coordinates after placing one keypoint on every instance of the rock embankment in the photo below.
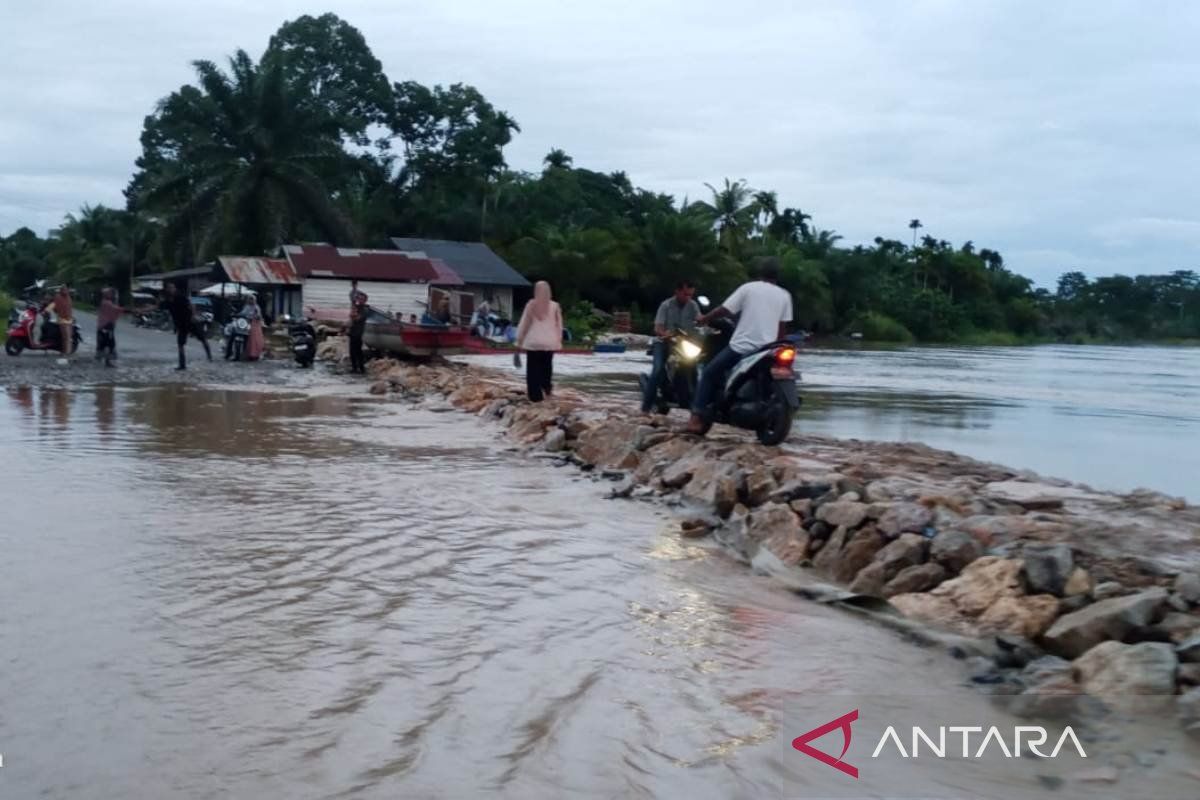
(1067, 590)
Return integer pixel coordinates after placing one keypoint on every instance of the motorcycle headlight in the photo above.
(690, 350)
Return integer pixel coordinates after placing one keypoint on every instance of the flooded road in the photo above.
(226, 594)
(1117, 418)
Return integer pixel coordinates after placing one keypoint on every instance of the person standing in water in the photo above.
(539, 334)
(255, 342)
(179, 307)
(358, 326)
(106, 327)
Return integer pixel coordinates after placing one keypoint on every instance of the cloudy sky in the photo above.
(1064, 134)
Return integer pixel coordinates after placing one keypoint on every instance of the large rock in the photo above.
(555, 440)
(1079, 584)
(831, 551)
(800, 489)
(759, 485)
(954, 550)
(993, 531)
(870, 581)
(1047, 568)
(714, 484)
(1113, 669)
(677, 475)
(1189, 651)
(608, 446)
(982, 583)
(907, 551)
(859, 551)
(777, 528)
(1027, 616)
(905, 518)
(1187, 586)
(934, 610)
(843, 513)
(659, 457)
(917, 578)
(1076, 633)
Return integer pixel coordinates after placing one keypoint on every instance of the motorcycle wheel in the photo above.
(14, 345)
(778, 423)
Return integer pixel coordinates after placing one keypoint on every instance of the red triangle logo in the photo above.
(801, 743)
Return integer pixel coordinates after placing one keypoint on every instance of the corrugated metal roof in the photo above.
(474, 262)
(242, 269)
(325, 261)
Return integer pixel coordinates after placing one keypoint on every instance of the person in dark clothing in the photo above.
(180, 308)
(358, 324)
(106, 327)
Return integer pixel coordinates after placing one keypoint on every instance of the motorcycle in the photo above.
(759, 394)
(304, 340)
(677, 385)
(23, 334)
(237, 332)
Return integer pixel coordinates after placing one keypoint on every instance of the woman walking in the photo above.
(540, 334)
(255, 342)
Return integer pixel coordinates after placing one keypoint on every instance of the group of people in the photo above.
(763, 310)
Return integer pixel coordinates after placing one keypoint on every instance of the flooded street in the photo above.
(228, 594)
(1117, 418)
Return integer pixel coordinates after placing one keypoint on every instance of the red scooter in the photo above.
(21, 334)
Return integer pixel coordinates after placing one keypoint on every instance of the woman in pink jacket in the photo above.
(539, 334)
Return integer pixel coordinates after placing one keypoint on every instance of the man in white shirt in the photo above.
(765, 310)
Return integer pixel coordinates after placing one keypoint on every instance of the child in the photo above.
(106, 327)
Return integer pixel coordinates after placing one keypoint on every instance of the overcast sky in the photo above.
(1064, 134)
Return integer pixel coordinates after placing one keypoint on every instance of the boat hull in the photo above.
(415, 340)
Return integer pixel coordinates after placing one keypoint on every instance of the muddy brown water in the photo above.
(221, 593)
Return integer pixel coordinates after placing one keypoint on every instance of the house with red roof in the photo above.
(393, 281)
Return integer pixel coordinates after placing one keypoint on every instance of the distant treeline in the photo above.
(312, 142)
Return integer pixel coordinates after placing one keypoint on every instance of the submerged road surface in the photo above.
(214, 594)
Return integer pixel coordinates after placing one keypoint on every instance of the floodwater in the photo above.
(1116, 418)
(215, 594)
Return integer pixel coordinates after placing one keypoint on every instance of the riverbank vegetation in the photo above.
(313, 142)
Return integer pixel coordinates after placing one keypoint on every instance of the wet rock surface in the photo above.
(955, 544)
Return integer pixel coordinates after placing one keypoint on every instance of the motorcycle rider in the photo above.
(675, 313)
(106, 327)
(765, 308)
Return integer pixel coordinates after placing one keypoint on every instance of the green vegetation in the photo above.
(6, 305)
(313, 142)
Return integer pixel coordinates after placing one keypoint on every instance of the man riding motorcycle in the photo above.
(678, 313)
(764, 309)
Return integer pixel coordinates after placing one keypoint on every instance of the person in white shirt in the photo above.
(765, 308)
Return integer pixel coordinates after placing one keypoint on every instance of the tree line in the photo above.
(313, 142)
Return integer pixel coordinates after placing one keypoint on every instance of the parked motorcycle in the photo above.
(237, 333)
(25, 335)
(304, 340)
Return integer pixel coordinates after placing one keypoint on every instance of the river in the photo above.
(221, 593)
(1116, 418)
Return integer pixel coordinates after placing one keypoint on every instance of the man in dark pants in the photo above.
(180, 309)
(676, 313)
(358, 324)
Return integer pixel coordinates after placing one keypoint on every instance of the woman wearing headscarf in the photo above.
(64, 310)
(539, 334)
(255, 341)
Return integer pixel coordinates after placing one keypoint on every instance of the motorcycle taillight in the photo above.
(783, 363)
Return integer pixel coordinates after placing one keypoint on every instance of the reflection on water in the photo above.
(1114, 417)
(222, 594)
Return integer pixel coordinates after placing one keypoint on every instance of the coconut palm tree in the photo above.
(768, 209)
(240, 162)
(731, 213)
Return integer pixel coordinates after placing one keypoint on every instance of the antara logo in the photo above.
(1030, 737)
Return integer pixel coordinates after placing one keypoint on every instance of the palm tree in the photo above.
(791, 225)
(557, 159)
(914, 225)
(820, 244)
(768, 209)
(249, 163)
(731, 213)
